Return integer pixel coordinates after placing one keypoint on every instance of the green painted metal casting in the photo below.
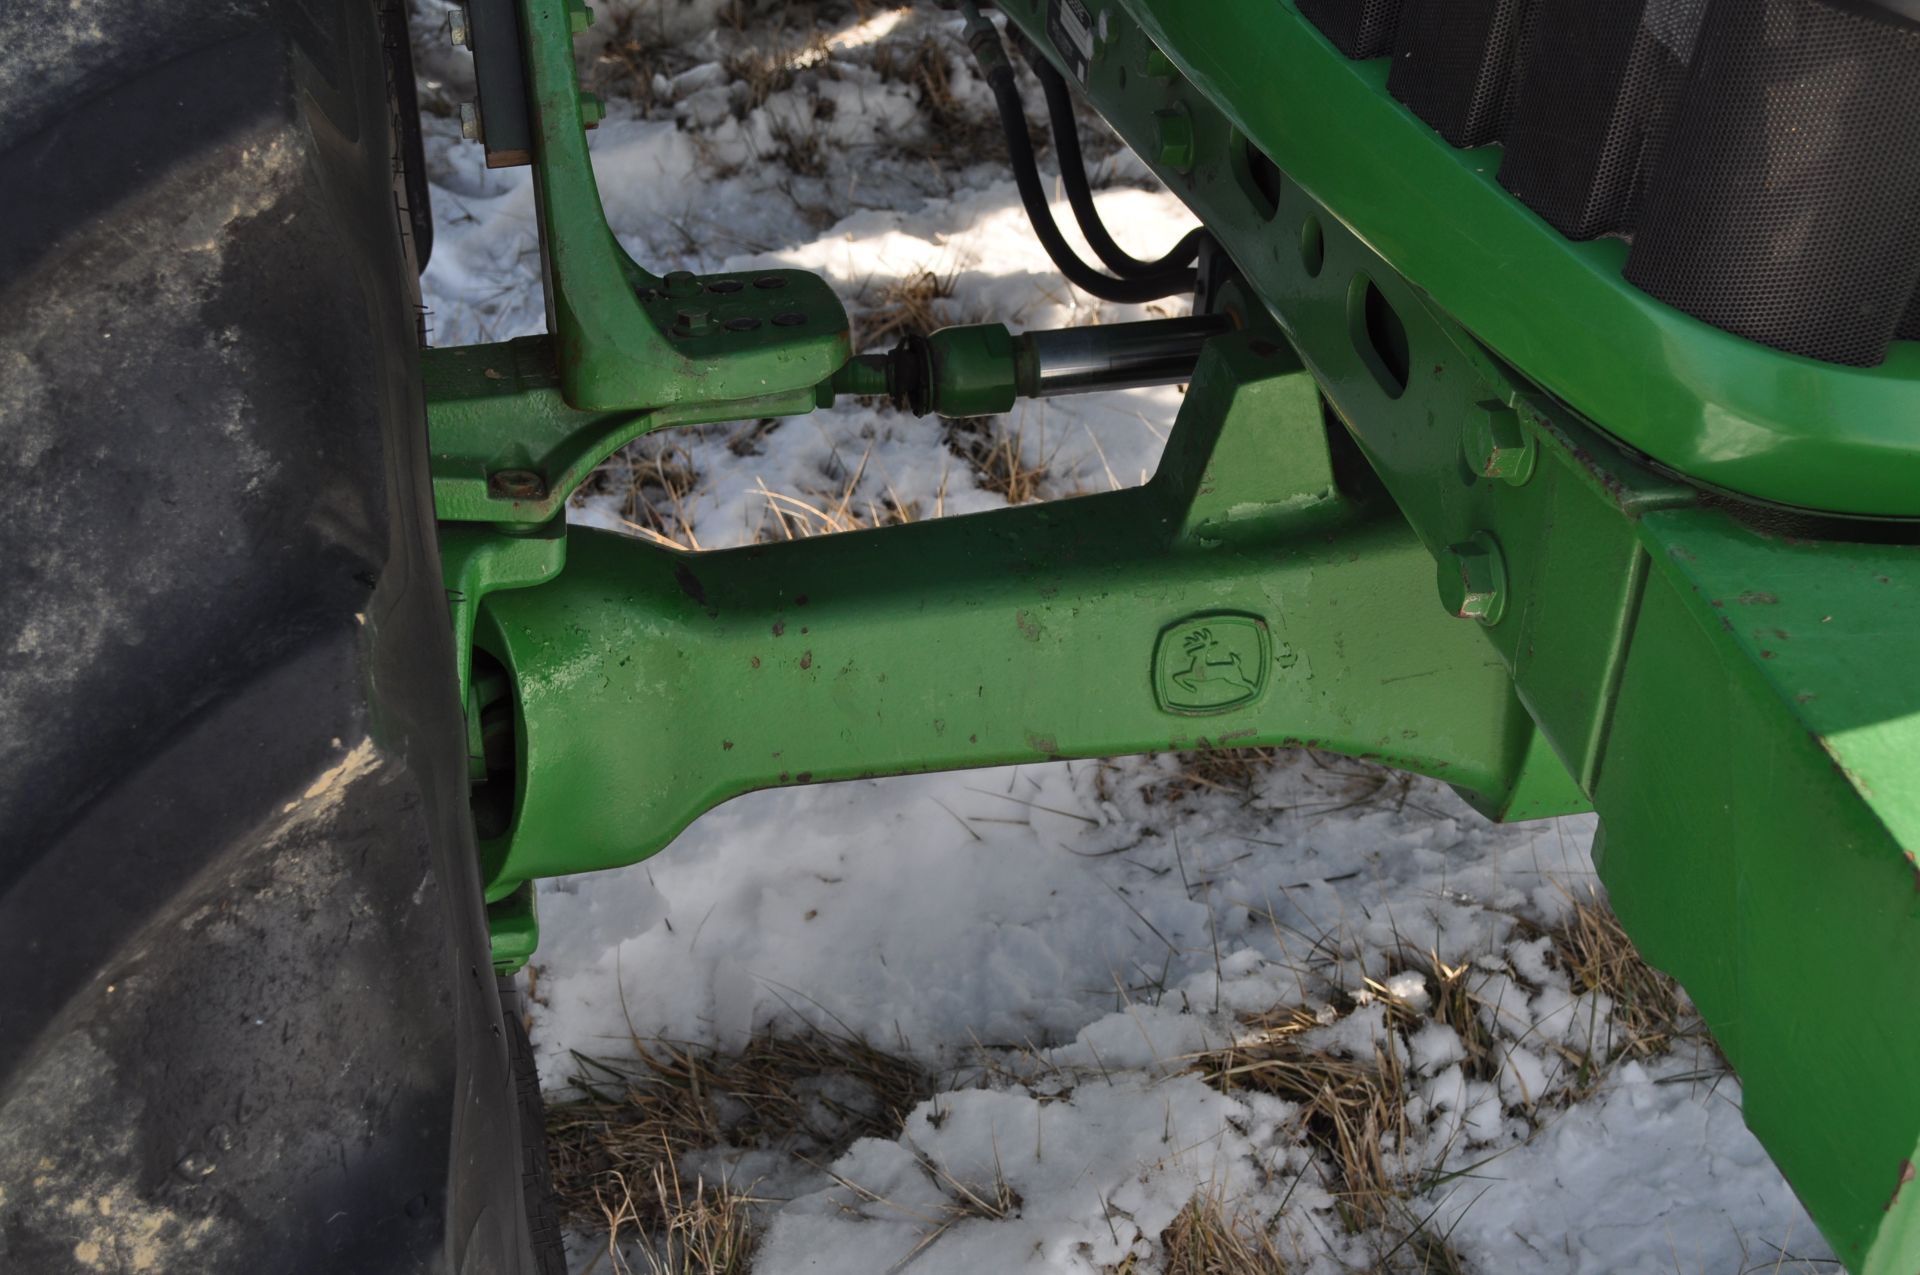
(1370, 532)
(622, 338)
(1241, 598)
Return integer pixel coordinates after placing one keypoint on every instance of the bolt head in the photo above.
(1472, 579)
(1175, 132)
(1495, 444)
(592, 110)
(470, 122)
(517, 484)
(680, 284)
(692, 320)
(459, 33)
(579, 17)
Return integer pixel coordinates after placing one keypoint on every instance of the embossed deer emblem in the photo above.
(1211, 662)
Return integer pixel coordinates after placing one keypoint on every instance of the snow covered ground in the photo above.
(1108, 970)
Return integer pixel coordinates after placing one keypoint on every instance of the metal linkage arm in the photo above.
(1241, 598)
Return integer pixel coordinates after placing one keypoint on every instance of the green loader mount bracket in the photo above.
(1445, 493)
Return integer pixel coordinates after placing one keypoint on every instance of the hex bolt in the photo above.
(1157, 65)
(1473, 579)
(1496, 445)
(692, 320)
(516, 484)
(470, 122)
(1174, 129)
(459, 31)
(579, 17)
(592, 110)
(680, 284)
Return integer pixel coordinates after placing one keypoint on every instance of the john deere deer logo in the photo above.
(1210, 663)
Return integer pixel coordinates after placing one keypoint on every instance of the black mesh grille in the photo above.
(1455, 63)
(1358, 28)
(1601, 83)
(1786, 204)
(1762, 155)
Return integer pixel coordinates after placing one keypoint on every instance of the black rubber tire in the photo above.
(252, 1022)
(536, 1169)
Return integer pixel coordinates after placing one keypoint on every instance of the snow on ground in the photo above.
(1058, 944)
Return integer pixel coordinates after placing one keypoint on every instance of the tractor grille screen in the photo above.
(1455, 63)
(1358, 28)
(1603, 81)
(1762, 156)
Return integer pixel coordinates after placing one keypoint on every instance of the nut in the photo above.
(1175, 131)
(517, 484)
(1496, 445)
(1473, 579)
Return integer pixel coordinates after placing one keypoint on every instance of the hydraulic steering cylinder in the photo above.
(980, 369)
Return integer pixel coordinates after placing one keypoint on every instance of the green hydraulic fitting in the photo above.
(979, 369)
(863, 377)
(973, 370)
(970, 370)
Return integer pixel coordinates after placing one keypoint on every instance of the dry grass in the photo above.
(998, 458)
(954, 131)
(903, 306)
(699, 1231)
(616, 1152)
(1454, 1001)
(1650, 1015)
(1206, 1240)
(961, 1201)
(629, 59)
(1334, 783)
(1348, 1107)
(765, 69)
(654, 477)
(799, 148)
(655, 482)
(791, 517)
(1351, 1111)
(1233, 771)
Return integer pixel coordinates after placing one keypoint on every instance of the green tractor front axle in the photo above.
(1444, 492)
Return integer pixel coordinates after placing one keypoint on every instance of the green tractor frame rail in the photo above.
(1450, 490)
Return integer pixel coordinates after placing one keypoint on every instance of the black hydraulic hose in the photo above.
(984, 40)
(1073, 175)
